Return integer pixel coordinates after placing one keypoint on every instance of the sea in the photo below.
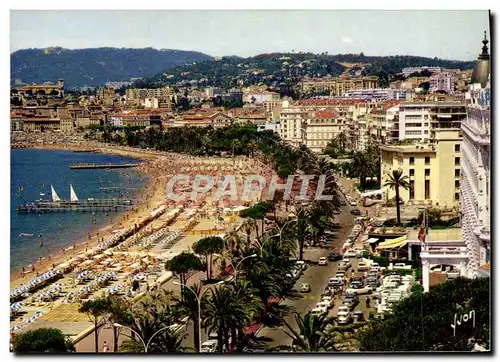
(33, 172)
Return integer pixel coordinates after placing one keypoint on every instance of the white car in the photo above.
(340, 275)
(362, 266)
(209, 346)
(328, 300)
(351, 253)
(401, 266)
(322, 261)
(320, 311)
(323, 305)
(353, 203)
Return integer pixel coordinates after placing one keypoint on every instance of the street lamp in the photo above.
(145, 345)
(199, 306)
(237, 265)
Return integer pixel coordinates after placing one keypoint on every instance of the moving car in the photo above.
(355, 212)
(359, 290)
(323, 305)
(340, 274)
(305, 287)
(353, 203)
(322, 261)
(401, 266)
(334, 256)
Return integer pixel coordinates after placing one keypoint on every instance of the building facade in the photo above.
(476, 168)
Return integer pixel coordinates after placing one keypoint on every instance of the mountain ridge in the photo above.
(95, 66)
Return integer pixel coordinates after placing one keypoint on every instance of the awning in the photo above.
(394, 243)
(372, 240)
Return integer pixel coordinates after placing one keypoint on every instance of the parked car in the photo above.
(329, 300)
(340, 274)
(360, 291)
(323, 305)
(362, 266)
(351, 253)
(335, 282)
(355, 212)
(319, 311)
(209, 346)
(334, 256)
(302, 264)
(305, 288)
(353, 203)
(322, 261)
(344, 266)
(358, 316)
(401, 266)
(343, 315)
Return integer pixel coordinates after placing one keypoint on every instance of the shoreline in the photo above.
(152, 192)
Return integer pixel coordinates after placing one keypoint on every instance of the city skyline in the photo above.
(444, 34)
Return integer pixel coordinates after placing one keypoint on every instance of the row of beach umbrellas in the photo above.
(26, 288)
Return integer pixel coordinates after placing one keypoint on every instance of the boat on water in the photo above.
(26, 235)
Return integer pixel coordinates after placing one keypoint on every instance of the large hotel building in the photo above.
(475, 168)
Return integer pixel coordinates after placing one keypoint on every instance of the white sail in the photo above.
(55, 197)
(72, 194)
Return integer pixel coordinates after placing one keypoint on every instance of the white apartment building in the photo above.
(379, 94)
(290, 121)
(475, 168)
(414, 120)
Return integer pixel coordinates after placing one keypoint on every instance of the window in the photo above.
(457, 196)
(427, 172)
(427, 189)
(457, 172)
(412, 172)
(457, 148)
(412, 189)
(457, 184)
(412, 160)
(457, 161)
(427, 160)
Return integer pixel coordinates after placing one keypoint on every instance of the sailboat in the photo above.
(55, 197)
(72, 194)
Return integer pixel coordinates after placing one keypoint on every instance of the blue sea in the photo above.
(32, 173)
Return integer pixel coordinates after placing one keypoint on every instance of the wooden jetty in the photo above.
(75, 204)
(83, 166)
(91, 205)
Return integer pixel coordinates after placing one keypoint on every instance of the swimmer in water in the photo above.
(41, 243)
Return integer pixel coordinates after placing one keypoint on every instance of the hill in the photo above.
(278, 70)
(95, 66)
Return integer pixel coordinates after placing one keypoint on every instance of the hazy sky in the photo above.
(444, 34)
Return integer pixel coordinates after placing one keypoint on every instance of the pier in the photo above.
(92, 205)
(83, 166)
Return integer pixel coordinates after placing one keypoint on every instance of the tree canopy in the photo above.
(48, 340)
(423, 321)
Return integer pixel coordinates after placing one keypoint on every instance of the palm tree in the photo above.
(188, 305)
(310, 336)
(361, 167)
(395, 181)
(233, 242)
(220, 309)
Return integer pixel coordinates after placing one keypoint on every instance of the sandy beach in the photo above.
(153, 193)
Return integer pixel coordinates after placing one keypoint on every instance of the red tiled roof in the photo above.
(324, 114)
(390, 104)
(329, 101)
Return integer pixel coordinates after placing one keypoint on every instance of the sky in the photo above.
(447, 34)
